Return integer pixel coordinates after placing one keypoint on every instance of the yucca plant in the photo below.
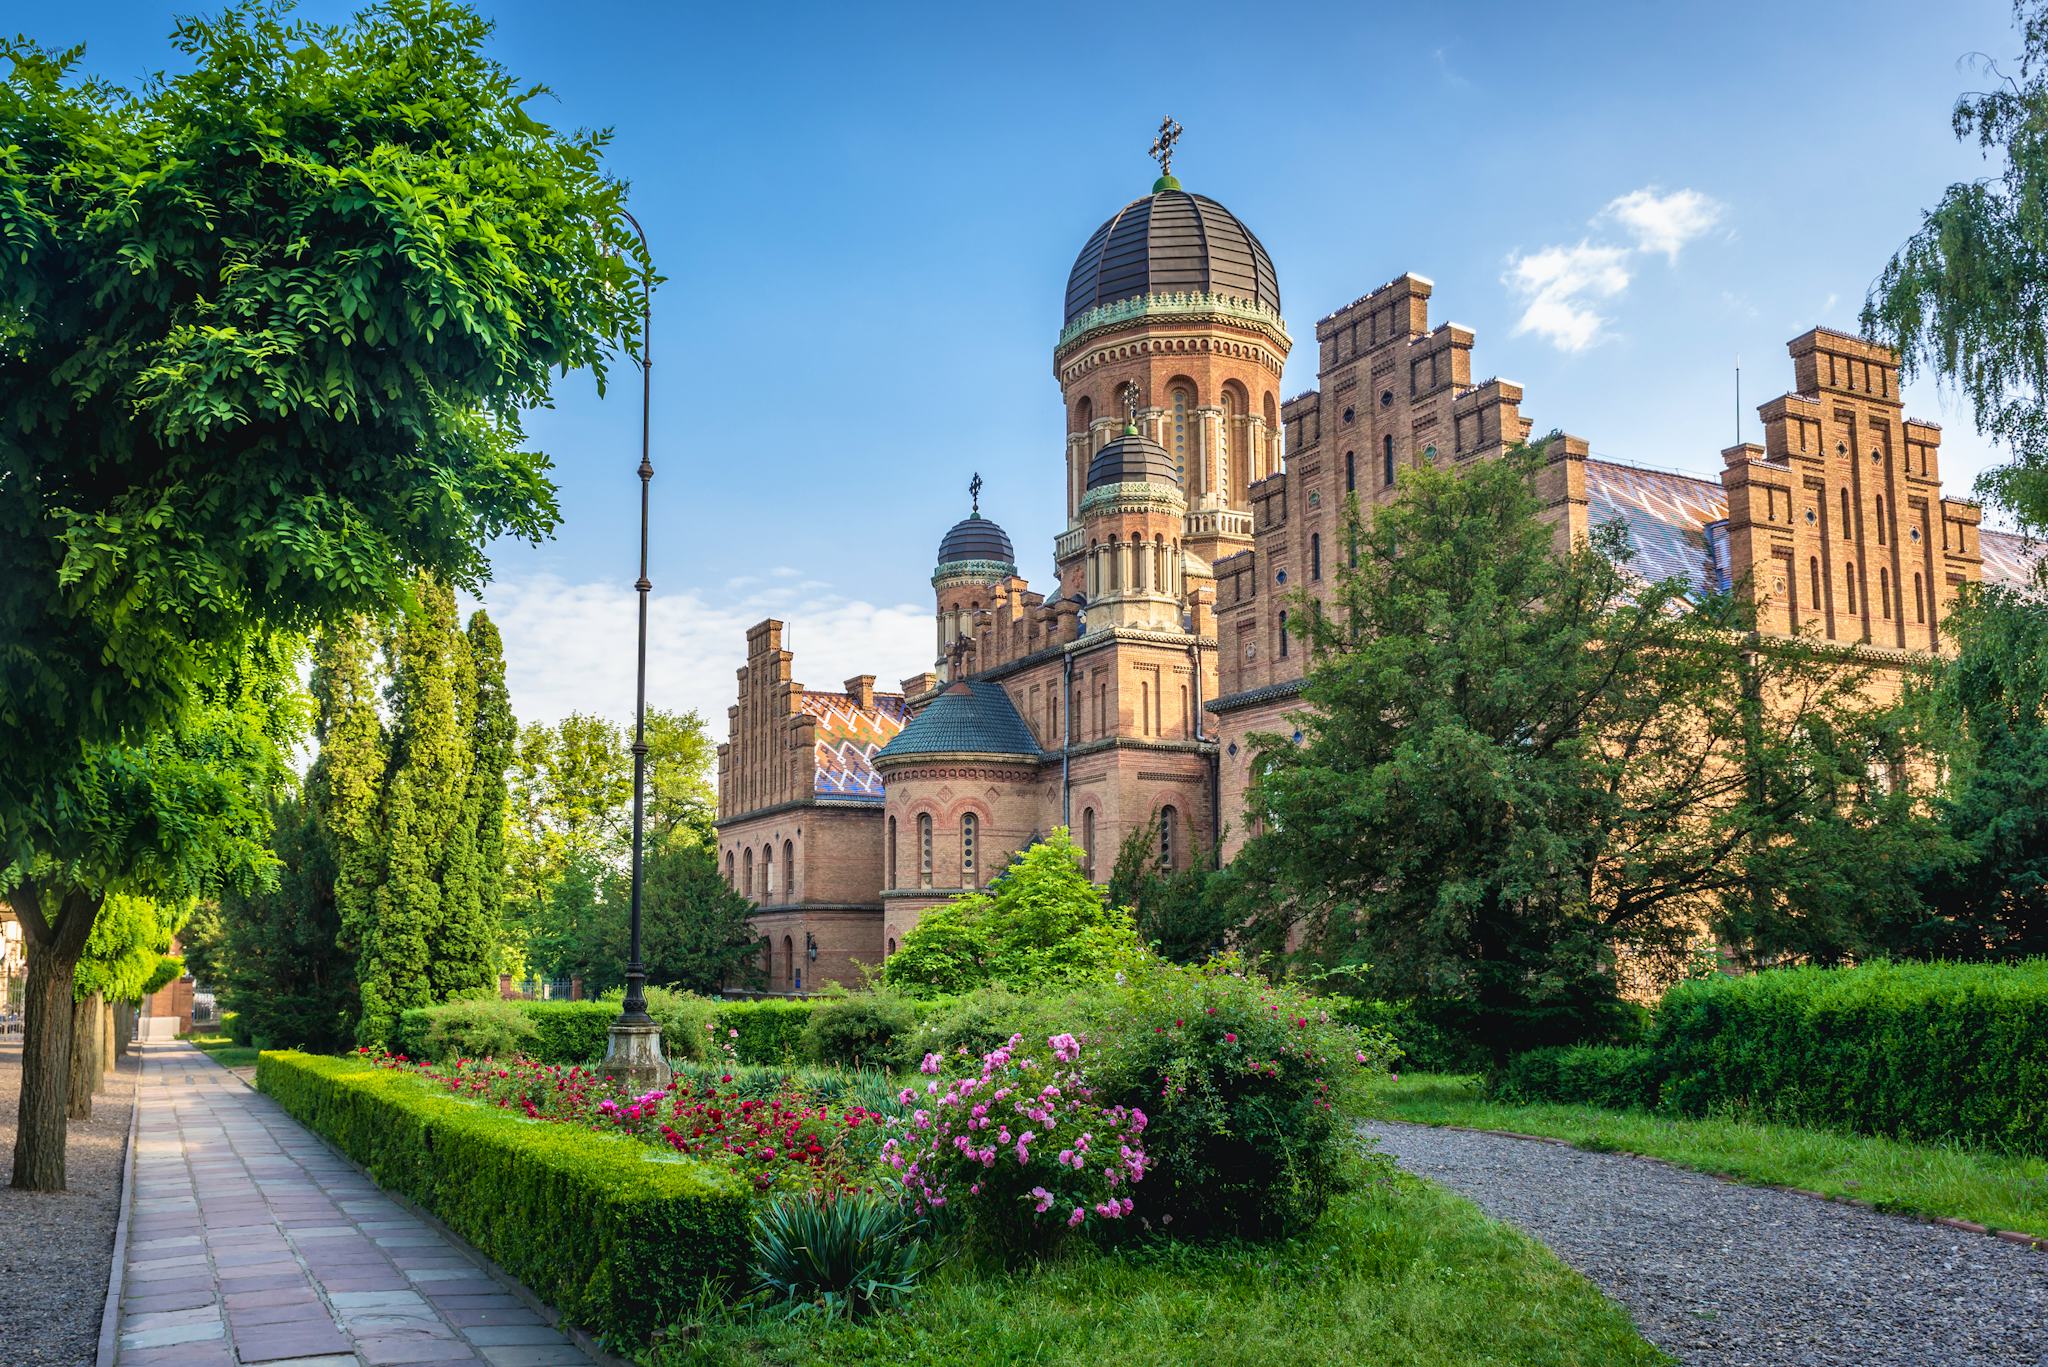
(847, 1254)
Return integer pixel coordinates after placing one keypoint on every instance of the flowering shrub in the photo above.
(1018, 1151)
(1251, 1088)
(785, 1141)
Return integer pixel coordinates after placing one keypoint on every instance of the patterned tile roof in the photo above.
(972, 717)
(849, 737)
(1678, 527)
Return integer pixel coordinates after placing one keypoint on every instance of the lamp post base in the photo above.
(632, 1056)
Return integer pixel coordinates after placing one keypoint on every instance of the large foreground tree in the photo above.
(1966, 297)
(1517, 764)
(267, 326)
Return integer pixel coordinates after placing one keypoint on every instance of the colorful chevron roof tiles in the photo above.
(848, 737)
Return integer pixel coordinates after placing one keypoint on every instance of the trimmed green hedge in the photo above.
(616, 1236)
(1618, 1077)
(1917, 1051)
(770, 1030)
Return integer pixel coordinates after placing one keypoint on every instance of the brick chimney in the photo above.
(861, 688)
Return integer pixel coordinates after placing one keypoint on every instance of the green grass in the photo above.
(1400, 1274)
(223, 1050)
(2003, 1191)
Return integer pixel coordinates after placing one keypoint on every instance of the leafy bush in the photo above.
(1041, 923)
(1618, 1077)
(563, 1032)
(860, 1030)
(1251, 1088)
(1918, 1051)
(842, 1255)
(978, 1022)
(770, 1030)
(619, 1244)
(477, 1029)
(237, 1026)
(1016, 1148)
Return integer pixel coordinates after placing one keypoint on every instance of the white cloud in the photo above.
(569, 647)
(1558, 285)
(1660, 222)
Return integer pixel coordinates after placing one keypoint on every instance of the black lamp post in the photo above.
(633, 1050)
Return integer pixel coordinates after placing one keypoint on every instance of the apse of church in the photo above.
(1202, 511)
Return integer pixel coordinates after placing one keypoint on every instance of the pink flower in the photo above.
(1044, 1199)
(1077, 1217)
(1229, 1038)
(930, 1064)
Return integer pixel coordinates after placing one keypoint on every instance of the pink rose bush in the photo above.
(1016, 1147)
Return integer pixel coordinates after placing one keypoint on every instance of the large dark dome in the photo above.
(976, 538)
(1167, 242)
(1132, 458)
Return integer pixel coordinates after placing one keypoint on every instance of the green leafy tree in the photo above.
(127, 950)
(176, 818)
(694, 933)
(1988, 705)
(269, 324)
(1040, 922)
(1963, 297)
(1518, 762)
(1186, 914)
(281, 967)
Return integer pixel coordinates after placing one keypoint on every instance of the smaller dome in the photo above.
(1132, 458)
(976, 538)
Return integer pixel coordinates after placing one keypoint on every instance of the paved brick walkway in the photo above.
(249, 1241)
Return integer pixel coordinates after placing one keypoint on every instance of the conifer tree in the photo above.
(345, 787)
(463, 942)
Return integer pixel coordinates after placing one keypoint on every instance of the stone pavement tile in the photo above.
(287, 1295)
(164, 1245)
(133, 1304)
(186, 1268)
(508, 1335)
(243, 1254)
(175, 1286)
(180, 1259)
(464, 1298)
(378, 1300)
(271, 1342)
(535, 1355)
(268, 1281)
(170, 1334)
(369, 1324)
(164, 1319)
(216, 1354)
(366, 1279)
(300, 1233)
(448, 1276)
(465, 1317)
(405, 1348)
(338, 1254)
(300, 1312)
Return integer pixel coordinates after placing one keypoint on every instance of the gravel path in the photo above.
(56, 1251)
(1721, 1275)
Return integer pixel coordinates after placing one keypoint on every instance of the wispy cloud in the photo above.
(569, 647)
(1561, 286)
(1662, 222)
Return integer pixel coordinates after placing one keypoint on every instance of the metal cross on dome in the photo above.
(1162, 146)
(974, 492)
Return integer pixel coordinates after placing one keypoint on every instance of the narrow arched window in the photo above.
(1847, 535)
(1386, 461)
(1849, 584)
(924, 850)
(892, 852)
(1813, 567)
(892, 944)
(750, 873)
(1884, 590)
(1880, 520)
(731, 877)
(1283, 635)
(1167, 819)
(1350, 472)
(789, 869)
(1088, 841)
(767, 870)
(1181, 401)
(1919, 601)
(789, 963)
(970, 832)
(1315, 555)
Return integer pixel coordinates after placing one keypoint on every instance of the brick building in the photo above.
(1197, 505)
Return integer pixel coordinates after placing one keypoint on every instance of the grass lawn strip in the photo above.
(223, 1050)
(1401, 1273)
(1998, 1191)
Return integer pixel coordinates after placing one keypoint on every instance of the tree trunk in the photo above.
(85, 1055)
(124, 1027)
(45, 1070)
(106, 1040)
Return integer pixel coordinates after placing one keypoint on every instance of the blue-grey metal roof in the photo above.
(969, 717)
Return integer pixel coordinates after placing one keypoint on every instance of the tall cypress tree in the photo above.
(346, 788)
(464, 940)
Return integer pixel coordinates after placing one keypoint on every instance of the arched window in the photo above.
(1919, 601)
(1884, 591)
(970, 831)
(1847, 535)
(731, 874)
(1236, 407)
(924, 850)
(1813, 567)
(1180, 400)
(1880, 520)
(892, 944)
(1849, 584)
(1315, 555)
(1387, 461)
(789, 870)
(1283, 635)
(1084, 414)
(1350, 472)
(767, 870)
(1088, 841)
(788, 963)
(892, 852)
(1168, 818)
(750, 873)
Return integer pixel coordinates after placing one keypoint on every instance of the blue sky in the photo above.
(867, 215)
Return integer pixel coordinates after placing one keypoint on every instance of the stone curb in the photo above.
(110, 1314)
(2036, 1242)
(576, 1334)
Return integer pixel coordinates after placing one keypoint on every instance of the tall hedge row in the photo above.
(770, 1030)
(1919, 1051)
(616, 1237)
